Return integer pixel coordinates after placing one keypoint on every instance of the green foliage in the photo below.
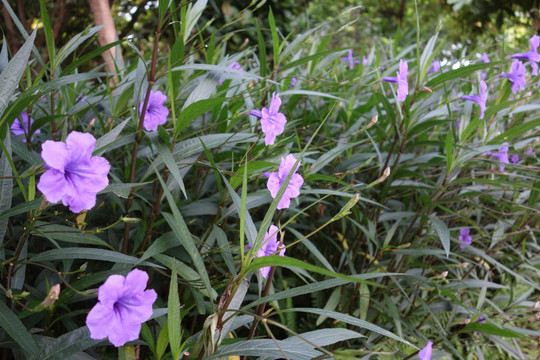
(373, 264)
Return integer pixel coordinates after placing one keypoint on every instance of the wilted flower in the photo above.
(21, 125)
(516, 76)
(52, 296)
(425, 353)
(156, 113)
(457, 123)
(73, 175)
(269, 247)
(435, 66)
(401, 80)
(234, 65)
(276, 179)
(531, 55)
(350, 59)
(123, 306)
(480, 99)
(502, 155)
(464, 237)
(272, 121)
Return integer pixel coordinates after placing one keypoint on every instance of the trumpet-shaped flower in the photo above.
(123, 306)
(531, 55)
(350, 59)
(270, 247)
(272, 121)
(276, 179)
(156, 113)
(516, 76)
(22, 125)
(73, 175)
(480, 99)
(425, 353)
(464, 237)
(401, 80)
(502, 155)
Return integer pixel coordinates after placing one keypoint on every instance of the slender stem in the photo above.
(139, 135)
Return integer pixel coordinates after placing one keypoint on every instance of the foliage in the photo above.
(373, 263)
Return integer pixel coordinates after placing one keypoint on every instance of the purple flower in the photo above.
(276, 179)
(272, 121)
(293, 82)
(435, 66)
(123, 306)
(480, 320)
(350, 59)
(480, 99)
(514, 158)
(464, 237)
(502, 155)
(20, 125)
(269, 247)
(401, 80)
(234, 65)
(364, 60)
(529, 152)
(425, 353)
(531, 55)
(485, 58)
(516, 76)
(73, 175)
(156, 113)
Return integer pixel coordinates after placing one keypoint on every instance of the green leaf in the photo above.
(48, 33)
(126, 352)
(352, 321)
(74, 43)
(67, 234)
(271, 349)
(275, 37)
(22, 208)
(6, 185)
(491, 330)
(88, 254)
(168, 160)
(195, 109)
(311, 288)
(173, 318)
(442, 231)
(9, 79)
(108, 138)
(16, 330)
(67, 345)
(262, 50)
(162, 342)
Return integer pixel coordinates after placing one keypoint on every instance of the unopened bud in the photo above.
(373, 121)
(51, 298)
(427, 89)
(130, 220)
(385, 174)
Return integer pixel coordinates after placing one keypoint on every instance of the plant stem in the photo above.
(139, 135)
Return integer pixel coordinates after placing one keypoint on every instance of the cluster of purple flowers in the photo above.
(464, 237)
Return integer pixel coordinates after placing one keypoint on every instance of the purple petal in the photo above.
(80, 146)
(51, 184)
(425, 353)
(55, 154)
(111, 290)
(136, 281)
(275, 103)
